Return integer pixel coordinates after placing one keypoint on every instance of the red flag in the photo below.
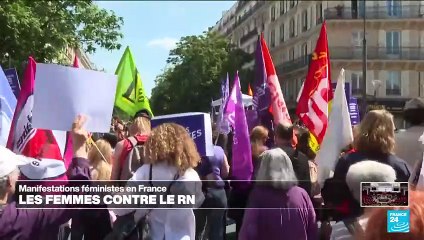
(249, 91)
(278, 105)
(76, 61)
(313, 104)
(23, 138)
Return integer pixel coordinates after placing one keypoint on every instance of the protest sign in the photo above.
(12, 77)
(354, 111)
(7, 108)
(61, 93)
(198, 125)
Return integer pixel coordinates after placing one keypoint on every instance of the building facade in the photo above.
(394, 35)
(84, 61)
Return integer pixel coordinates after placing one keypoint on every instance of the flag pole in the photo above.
(364, 64)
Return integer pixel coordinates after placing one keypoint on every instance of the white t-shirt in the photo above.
(178, 224)
(340, 232)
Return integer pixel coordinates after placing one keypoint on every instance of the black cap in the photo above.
(142, 113)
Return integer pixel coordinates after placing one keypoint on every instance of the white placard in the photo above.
(61, 93)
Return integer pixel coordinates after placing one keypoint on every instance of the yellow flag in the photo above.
(130, 95)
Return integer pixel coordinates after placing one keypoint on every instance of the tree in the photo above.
(198, 65)
(43, 29)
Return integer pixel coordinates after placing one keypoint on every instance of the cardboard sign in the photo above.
(62, 93)
(198, 125)
(12, 78)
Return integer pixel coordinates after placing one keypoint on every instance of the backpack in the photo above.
(131, 160)
(127, 228)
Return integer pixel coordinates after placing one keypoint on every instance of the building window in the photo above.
(393, 84)
(304, 52)
(292, 3)
(357, 38)
(282, 33)
(282, 7)
(246, 30)
(318, 10)
(272, 38)
(393, 42)
(291, 27)
(304, 20)
(394, 8)
(273, 13)
(356, 82)
(291, 54)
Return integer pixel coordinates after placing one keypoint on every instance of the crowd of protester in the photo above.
(285, 200)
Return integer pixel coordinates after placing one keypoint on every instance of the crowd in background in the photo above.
(284, 202)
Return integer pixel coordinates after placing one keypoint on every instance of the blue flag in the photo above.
(7, 108)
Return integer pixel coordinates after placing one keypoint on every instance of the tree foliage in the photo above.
(198, 65)
(44, 29)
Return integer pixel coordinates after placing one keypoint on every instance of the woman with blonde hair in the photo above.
(258, 138)
(100, 157)
(374, 140)
(139, 131)
(171, 155)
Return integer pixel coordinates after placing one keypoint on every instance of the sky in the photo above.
(152, 28)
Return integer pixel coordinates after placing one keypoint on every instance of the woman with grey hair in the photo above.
(365, 171)
(277, 206)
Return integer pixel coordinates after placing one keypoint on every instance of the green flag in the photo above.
(130, 96)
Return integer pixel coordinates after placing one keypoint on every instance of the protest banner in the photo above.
(354, 111)
(61, 93)
(7, 108)
(12, 77)
(198, 125)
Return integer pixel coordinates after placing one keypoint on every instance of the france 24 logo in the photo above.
(398, 221)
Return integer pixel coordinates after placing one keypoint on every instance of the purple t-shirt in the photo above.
(212, 164)
(40, 224)
(292, 216)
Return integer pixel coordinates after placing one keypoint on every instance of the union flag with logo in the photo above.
(315, 98)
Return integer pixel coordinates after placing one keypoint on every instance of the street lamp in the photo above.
(364, 64)
(376, 85)
(7, 55)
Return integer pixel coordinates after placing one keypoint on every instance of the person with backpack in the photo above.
(283, 139)
(171, 156)
(129, 153)
(34, 224)
(210, 222)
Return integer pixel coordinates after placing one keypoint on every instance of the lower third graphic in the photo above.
(398, 221)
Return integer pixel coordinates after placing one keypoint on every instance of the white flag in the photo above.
(339, 132)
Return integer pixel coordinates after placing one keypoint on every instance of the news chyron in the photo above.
(384, 194)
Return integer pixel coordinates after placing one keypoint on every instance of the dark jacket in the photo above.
(339, 185)
(300, 167)
(42, 224)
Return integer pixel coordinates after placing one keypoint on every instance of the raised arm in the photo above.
(116, 164)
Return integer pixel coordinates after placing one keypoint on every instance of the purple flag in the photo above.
(223, 125)
(261, 95)
(242, 167)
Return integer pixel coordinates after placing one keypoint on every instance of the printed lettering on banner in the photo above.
(24, 130)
